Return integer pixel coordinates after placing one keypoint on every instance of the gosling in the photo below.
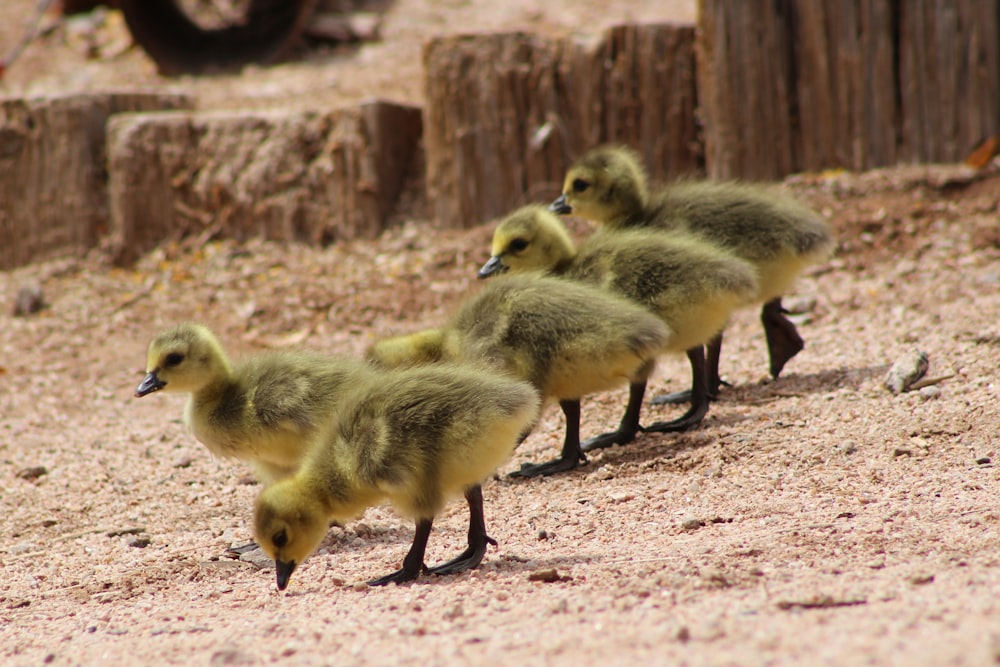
(564, 338)
(693, 286)
(413, 437)
(263, 410)
(778, 235)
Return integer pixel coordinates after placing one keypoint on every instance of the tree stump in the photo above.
(53, 180)
(845, 84)
(644, 94)
(745, 84)
(507, 113)
(949, 72)
(291, 176)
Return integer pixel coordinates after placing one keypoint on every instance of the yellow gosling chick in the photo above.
(565, 338)
(777, 234)
(693, 286)
(412, 437)
(262, 410)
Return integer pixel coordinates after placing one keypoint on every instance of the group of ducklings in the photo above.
(430, 415)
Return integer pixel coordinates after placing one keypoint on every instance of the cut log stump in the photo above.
(316, 177)
(53, 178)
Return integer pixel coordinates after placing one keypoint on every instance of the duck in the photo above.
(262, 410)
(692, 285)
(565, 338)
(780, 236)
(414, 437)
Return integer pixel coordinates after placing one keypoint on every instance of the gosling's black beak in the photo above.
(149, 384)
(560, 206)
(285, 569)
(492, 267)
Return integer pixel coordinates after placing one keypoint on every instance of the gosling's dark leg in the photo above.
(478, 539)
(628, 426)
(713, 351)
(571, 454)
(783, 339)
(699, 396)
(413, 564)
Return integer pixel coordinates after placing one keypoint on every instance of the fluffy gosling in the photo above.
(565, 338)
(263, 410)
(414, 437)
(777, 234)
(690, 284)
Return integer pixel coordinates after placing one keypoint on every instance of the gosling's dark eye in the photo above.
(173, 359)
(280, 539)
(517, 245)
(580, 185)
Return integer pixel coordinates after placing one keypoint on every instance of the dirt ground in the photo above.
(816, 519)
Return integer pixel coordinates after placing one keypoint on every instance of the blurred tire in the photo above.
(178, 45)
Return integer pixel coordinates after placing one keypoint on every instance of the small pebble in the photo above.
(683, 635)
(929, 393)
(30, 300)
(548, 576)
(258, 559)
(921, 579)
(543, 534)
(848, 447)
(32, 473)
(899, 451)
(691, 523)
(907, 369)
(983, 460)
(139, 542)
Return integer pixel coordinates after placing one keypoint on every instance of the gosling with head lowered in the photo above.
(262, 410)
(775, 233)
(565, 338)
(690, 284)
(413, 437)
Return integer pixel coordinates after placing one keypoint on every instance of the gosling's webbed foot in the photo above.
(681, 397)
(618, 437)
(400, 576)
(692, 417)
(561, 464)
(674, 398)
(467, 560)
(783, 339)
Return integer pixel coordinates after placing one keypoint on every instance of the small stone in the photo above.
(848, 447)
(543, 534)
(258, 559)
(183, 462)
(906, 370)
(798, 305)
(138, 542)
(984, 460)
(921, 579)
(30, 300)
(692, 523)
(929, 393)
(684, 634)
(32, 473)
(548, 576)
(900, 451)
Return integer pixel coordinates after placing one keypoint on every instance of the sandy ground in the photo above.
(816, 519)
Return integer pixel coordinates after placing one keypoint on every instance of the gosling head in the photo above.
(184, 358)
(288, 525)
(605, 185)
(529, 239)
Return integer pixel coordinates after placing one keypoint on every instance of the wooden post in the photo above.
(949, 71)
(845, 84)
(53, 178)
(746, 88)
(293, 176)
